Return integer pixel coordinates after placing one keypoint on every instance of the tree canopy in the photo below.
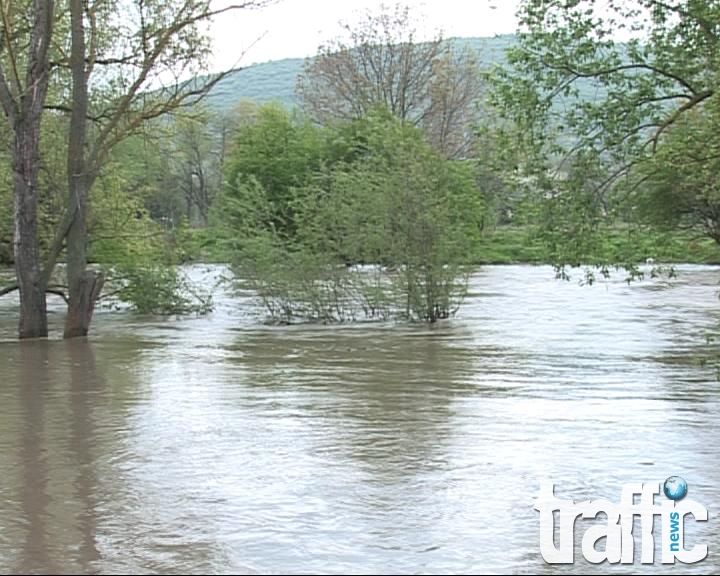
(359, 220)
(110, 67)
(381, 61)
(651, 67)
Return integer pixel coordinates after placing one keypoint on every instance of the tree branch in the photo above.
(55, 289)
(105, 141)
(58, 292)
(68, 109)
(8, 102)
(566, 67)
(7, 27)
(702, 22)
(675, 115)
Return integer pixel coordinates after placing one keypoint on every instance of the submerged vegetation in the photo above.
(376, 225)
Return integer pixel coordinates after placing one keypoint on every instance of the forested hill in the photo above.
(276, 80)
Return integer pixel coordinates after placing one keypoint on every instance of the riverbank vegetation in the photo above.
(644, 150)
(402, 165)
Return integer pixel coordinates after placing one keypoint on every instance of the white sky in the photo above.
(295, 28)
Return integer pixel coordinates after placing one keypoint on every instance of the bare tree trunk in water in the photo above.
(22, 101)
(84, 285)
(157, 38)
(26, 166)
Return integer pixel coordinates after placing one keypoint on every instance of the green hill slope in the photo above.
(260, 83)
(276, 80)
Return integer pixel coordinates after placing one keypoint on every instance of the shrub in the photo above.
(387, 233)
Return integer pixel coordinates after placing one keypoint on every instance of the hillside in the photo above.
(276, 80)
(259, 83)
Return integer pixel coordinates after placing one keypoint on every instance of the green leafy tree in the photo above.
(26, 29)
(680, 183)
(402, 206)
(156, 40)
(112, 66)
(599, 115)
(384, 226)
(275, 151)
(136, 253)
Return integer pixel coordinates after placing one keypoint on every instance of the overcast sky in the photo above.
(295, 28)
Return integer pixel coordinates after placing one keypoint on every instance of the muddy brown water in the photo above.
(221, 445)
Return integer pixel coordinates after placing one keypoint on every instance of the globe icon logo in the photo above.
(675, 488)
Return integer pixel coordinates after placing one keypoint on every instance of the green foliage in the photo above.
(681, 186)
(203, 245)
(193, 155)
(510, 245)
(382, 227)
(51, 184)
(138, 254)
(624, 155)
(275, 152)
(144, 161)
(159, 289)
(6, 212)
(295, 283)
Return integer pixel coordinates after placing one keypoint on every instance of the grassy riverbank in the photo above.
(516, 245)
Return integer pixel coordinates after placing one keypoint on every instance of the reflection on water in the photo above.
(220, 445)
(34, 500)
(50, 474)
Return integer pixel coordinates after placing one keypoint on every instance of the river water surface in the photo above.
(218, 444)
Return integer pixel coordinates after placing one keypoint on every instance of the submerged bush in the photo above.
(382, 230)
(157, 289)
(137, 256)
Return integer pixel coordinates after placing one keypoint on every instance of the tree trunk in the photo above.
(26, 166)
(84, 294)
(84, 286)
(22, 101)
(189, 200)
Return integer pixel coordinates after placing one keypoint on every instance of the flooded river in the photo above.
(221, 445)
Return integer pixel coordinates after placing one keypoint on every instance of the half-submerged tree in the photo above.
(119, 65)
(364, 220)
(380, 61)
(139, 74)
(24, 80)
